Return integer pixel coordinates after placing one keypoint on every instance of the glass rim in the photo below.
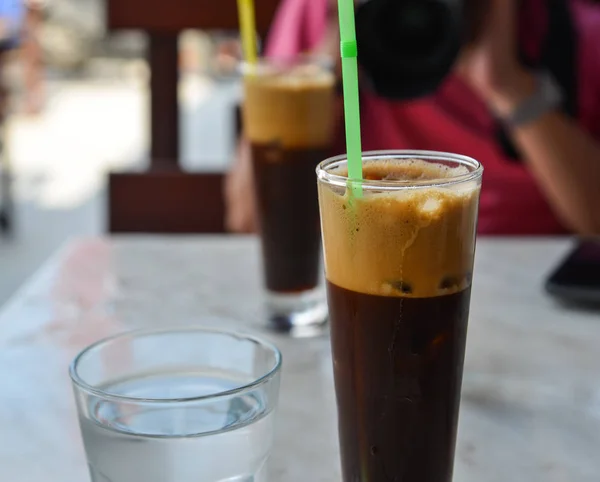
(81, 384)
(322, 60)
(325, 175)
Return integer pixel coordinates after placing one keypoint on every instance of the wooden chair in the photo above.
(165, 199)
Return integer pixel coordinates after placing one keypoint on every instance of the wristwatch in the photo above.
(547, 97)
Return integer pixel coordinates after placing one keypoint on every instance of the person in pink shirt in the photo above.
(542, 176)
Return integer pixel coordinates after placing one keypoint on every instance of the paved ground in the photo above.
(60, 158)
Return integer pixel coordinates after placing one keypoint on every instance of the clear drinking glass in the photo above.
(399, 263)
(289, 121)
(183, 405)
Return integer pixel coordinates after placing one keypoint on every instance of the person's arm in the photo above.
(563, 158)
(240, 202)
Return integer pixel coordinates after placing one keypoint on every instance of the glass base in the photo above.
(300, 315)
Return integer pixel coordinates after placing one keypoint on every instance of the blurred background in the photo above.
(116, 119)
(77, 107)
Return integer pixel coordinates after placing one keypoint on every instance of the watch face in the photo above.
(546, 98)
(551, 89)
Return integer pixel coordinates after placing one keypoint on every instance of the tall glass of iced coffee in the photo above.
(288, 119)
(399, 263)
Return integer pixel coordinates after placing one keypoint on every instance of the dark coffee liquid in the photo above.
(398, 371)
(286, 190)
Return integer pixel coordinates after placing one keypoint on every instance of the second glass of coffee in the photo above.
(288, 119)
(398, 261)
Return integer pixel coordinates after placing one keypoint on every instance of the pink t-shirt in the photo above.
(455, 119)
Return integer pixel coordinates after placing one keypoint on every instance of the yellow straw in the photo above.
(248, 28)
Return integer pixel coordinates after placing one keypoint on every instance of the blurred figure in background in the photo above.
(542, 174)
(20, 23)
(32, 57)
(12, 17)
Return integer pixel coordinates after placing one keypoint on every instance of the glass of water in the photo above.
(187, 405)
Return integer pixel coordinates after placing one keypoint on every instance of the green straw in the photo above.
(349, 52)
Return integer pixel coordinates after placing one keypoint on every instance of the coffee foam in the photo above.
(406, 243)
(292, 108)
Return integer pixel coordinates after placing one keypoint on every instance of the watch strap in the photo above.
(546, 98)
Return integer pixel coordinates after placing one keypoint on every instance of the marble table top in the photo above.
(531, 396)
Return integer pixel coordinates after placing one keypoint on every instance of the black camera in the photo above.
(406, 48)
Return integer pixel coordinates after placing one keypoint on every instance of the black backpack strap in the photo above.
(559, 57)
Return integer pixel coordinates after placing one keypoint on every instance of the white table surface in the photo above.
(531, 394)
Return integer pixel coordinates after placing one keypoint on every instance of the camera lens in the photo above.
(407, 47)
(418, 23)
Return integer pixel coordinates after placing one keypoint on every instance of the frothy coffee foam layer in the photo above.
(293, 108)
(408, 243)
